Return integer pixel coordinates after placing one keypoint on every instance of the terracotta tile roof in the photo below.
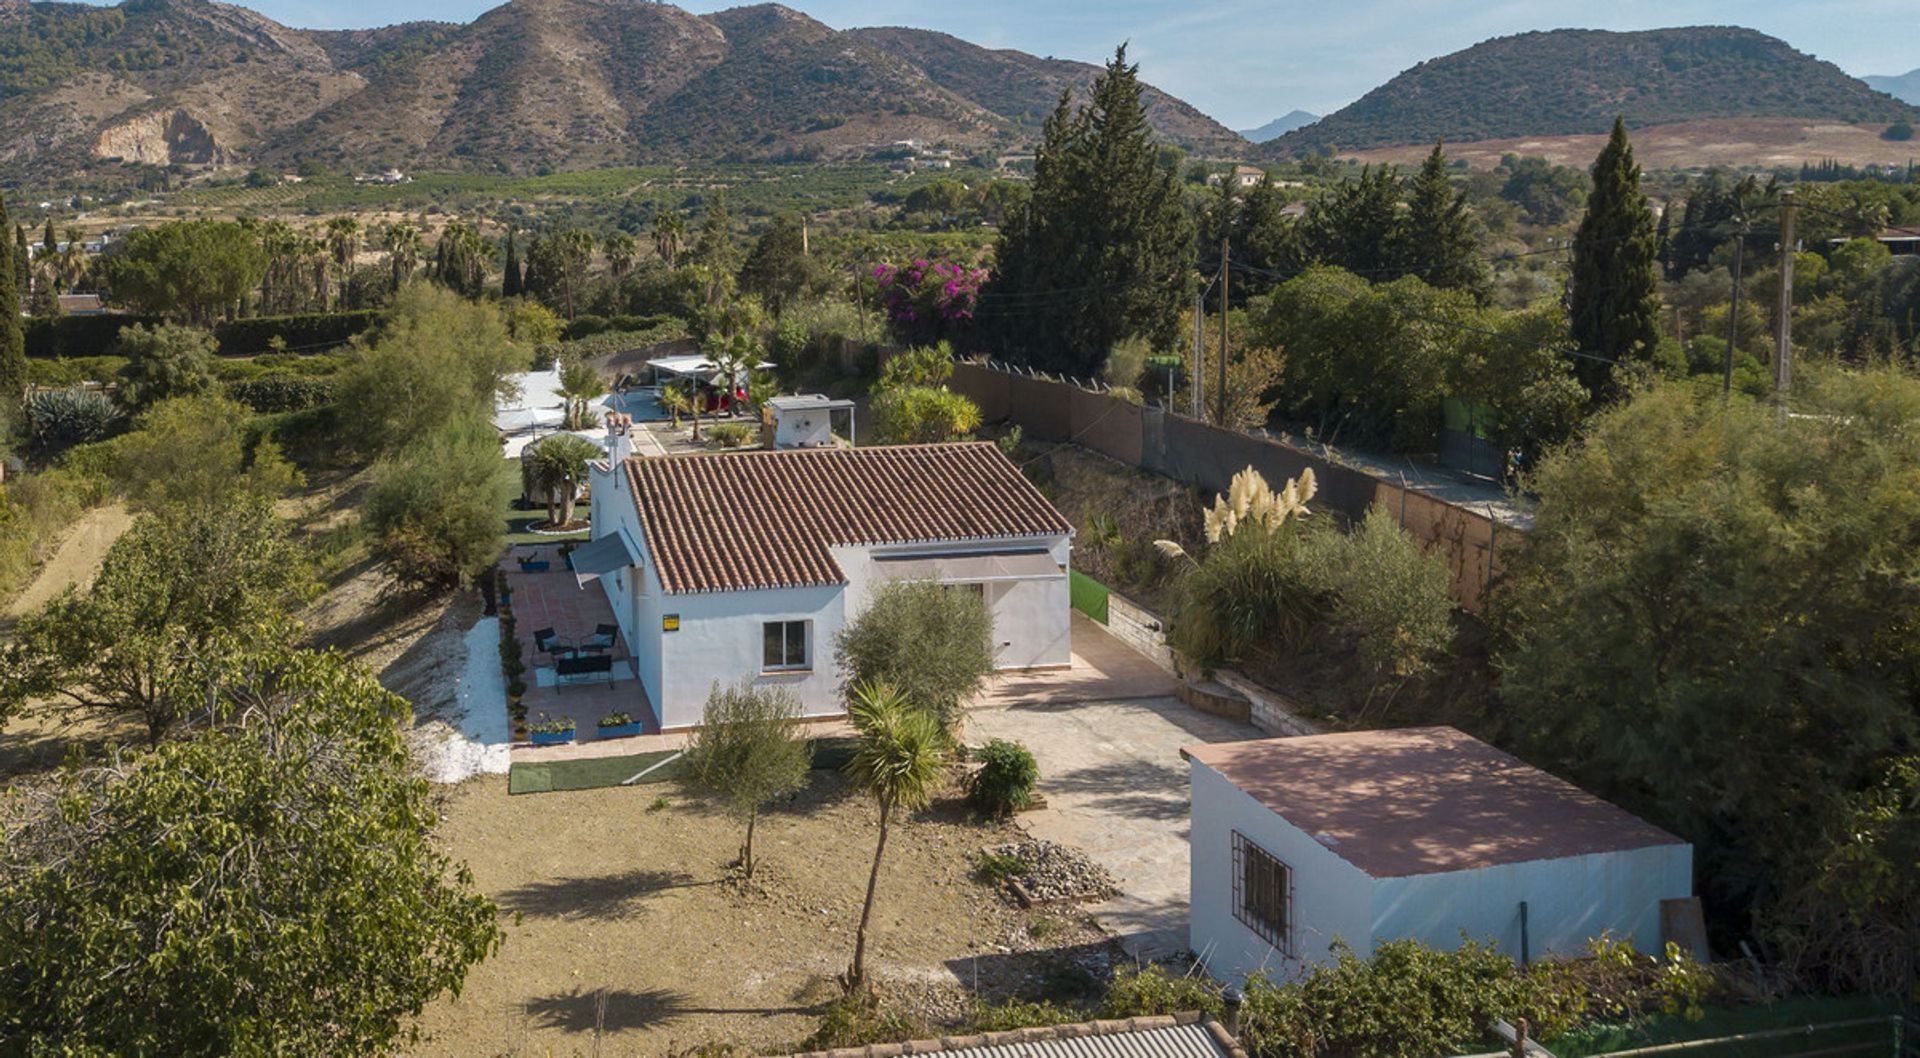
(745, 520)
(1424, 800)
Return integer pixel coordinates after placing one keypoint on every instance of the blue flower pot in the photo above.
(621, 730)
(548, 738)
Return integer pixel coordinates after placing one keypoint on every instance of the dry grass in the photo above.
(610, 893)
(1742, 143)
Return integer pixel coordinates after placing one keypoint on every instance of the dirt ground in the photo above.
(1747, 142)
(76, 561)
(624, 894)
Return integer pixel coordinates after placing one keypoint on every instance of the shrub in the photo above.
(304, 332)
(995, 868)
(553, 725)
(278, 393)
(932, 643)
(1151, 991)
(732, 434)
(856, 1020)
(165, 361)
(434, 508)
(923, 415)
(1004, 783)
(1386, 593)
(65, 373)
(1015, 1014)
(616, 719)
(58, 419)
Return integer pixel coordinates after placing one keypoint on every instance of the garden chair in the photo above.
(547, 641)
(602, 639)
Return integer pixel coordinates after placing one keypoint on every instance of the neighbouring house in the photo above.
(746, 565)
(1421, 834)
(1242, 176)
(809, 421)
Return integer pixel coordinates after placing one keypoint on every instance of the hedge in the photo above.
(81, 336)
(273, 393)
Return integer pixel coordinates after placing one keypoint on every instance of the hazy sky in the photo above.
(1245, 61)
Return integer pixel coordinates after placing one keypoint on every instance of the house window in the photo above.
(1262, 892)
(785, 646)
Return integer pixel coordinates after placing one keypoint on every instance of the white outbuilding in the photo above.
(1423, 834)
(746, 565)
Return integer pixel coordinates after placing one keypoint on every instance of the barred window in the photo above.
(1262, 892)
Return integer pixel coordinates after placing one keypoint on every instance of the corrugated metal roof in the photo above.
(1178, 1041)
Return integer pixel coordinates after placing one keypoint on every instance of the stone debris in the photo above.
(1056, 872)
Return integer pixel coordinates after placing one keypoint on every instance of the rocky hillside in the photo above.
(1574, 81)
(560, 83)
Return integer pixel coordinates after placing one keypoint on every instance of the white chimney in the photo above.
(619, 437)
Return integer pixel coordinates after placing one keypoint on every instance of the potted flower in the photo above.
(619, 725)
(552, 731)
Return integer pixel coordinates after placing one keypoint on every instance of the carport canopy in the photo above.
(975, 568)
(604, 555)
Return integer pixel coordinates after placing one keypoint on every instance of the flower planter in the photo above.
(621, 730)
(552, 738)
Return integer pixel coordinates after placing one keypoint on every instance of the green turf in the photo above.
(520, 522)
(829, 754)
(1718, 1022)
(589, 774)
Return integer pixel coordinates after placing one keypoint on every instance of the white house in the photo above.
(807, 421)
(1418, 834)
(747, 564)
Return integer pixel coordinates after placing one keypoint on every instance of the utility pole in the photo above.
(1733, 315)
(1783, 316)
(1220, 398)
(1198, 375)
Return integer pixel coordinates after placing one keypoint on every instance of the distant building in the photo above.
(1420, 834)
(1242, 176)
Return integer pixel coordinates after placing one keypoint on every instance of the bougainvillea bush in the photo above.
(929, 300)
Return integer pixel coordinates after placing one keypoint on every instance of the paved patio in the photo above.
(1107, 735)
(553, 599)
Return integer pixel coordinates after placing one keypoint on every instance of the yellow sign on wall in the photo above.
(670, 623)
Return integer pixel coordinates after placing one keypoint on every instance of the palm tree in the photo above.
(556, 467)
(580, 385)
(674, 401)
(620, 250)
(404, 247)
(669, 235)
(733, 360)
(900, 759)
(73, 260)
(342, 236)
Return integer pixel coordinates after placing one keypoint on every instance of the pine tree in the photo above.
(1265, 239)
(1614, 299)
(511, 284)
(1357, 226)
(1439, 238)
(1105, 250)
(13, 339)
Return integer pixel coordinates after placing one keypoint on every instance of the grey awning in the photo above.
(604, 555)
(973, 568)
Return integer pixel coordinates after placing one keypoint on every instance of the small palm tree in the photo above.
(343, 244)
(620, 251)
(404, 246)
(673, 400)
(733, 361)
(580, 386)
(556, 467)
(669, 235)
(900, 759)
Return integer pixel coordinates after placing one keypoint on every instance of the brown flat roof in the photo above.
(1424, 800)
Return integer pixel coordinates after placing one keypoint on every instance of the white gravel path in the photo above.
(477, 741)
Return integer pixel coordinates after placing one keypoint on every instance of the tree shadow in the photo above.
(603, 896)
(616, 1010)
(1134, 789)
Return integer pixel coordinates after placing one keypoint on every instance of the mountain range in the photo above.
(1904, 86)
(528, 84)
(1575, 81)
(1280, 126)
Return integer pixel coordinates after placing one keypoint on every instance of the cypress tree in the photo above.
(49, 242)
(1265, 238)
(1105, 250)
(1614, 299)
(1663, 238)
(13, 338)
(512, 285)
(1440, 241)
(1358, 226)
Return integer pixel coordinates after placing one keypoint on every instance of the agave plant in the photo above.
(61, 418)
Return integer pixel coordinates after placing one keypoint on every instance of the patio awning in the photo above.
(976, 568)
(604, 555)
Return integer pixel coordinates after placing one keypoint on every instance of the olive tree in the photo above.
(268, 887)
(748, 750)
(931, 641)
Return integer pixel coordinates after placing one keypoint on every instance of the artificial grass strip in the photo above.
(592, 773)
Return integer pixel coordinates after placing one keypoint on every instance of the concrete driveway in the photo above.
(1107, 735)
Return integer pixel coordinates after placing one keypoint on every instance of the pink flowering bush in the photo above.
(929, 300)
